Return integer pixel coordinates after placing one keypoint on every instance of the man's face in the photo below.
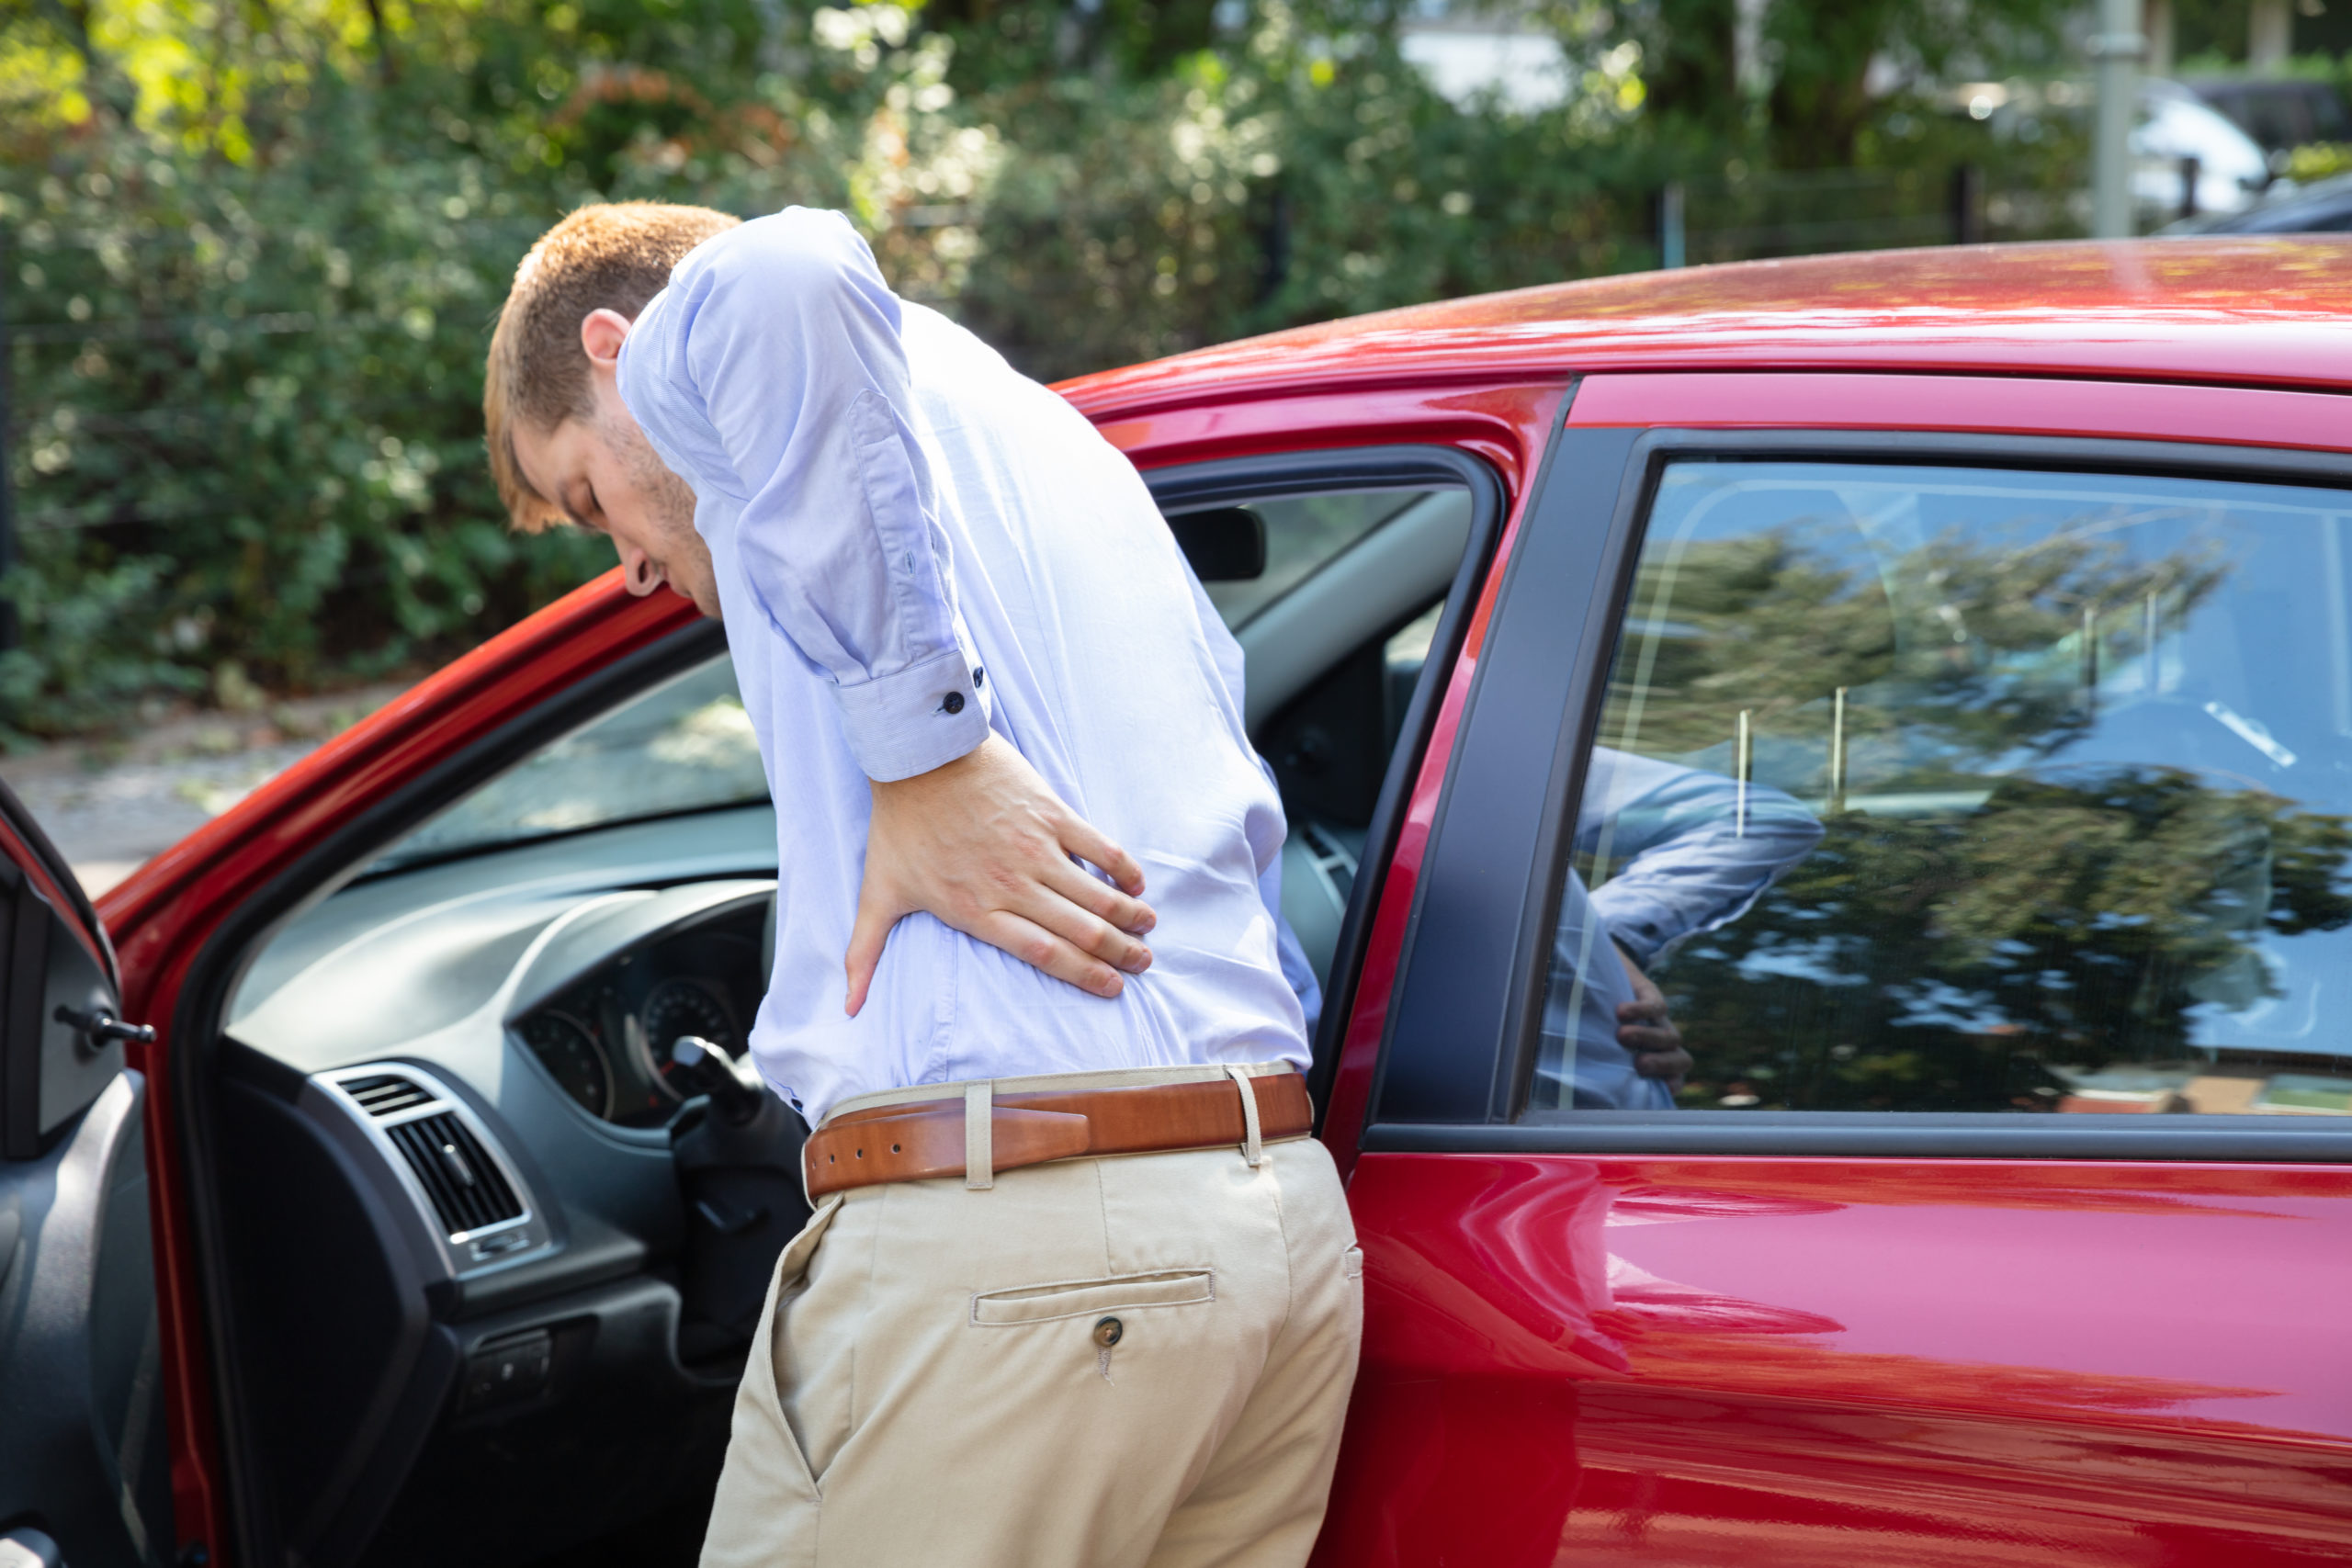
(607, 476)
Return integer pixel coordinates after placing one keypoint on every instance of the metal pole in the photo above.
(1743, 765)
(2116, 51)
(2090, 657)
(1968, 205)
(1671, 247)
(1838, 752)
(2269, 36)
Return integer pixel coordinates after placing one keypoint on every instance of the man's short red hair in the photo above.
(613, 255)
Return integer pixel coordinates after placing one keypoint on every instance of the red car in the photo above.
(1932, 671)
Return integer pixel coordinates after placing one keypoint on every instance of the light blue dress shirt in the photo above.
(1691, 856)
(915, 544)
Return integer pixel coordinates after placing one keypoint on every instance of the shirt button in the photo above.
(953, 702)
(1108, 1332)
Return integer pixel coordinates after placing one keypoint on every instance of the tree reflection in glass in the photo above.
(2081, 747)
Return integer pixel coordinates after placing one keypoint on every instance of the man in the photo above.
(1079, 1289)
(1690, 851)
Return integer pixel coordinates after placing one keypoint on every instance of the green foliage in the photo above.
(252, 430)
(254, 253)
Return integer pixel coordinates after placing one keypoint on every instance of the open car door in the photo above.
(84, 1463)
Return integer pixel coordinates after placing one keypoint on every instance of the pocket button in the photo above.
(1109, 1332)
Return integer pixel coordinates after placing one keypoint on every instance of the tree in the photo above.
(1813, 63)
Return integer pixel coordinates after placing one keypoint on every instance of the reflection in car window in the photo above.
(686, 745)
(1303, 534)
(1939, 789)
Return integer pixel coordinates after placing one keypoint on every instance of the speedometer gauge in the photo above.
(677, 1009)
(564, 1048)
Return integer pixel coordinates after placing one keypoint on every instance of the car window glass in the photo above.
(1325, 846)
(1303, 534)
(685, 745)
(1952, 789)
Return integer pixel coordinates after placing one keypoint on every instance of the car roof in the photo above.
(2264, 310)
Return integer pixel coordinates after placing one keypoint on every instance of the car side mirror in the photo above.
(1225, 544)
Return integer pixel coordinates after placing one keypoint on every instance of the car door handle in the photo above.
(24, 1548)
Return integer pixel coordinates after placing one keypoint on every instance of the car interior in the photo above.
(495, 1190)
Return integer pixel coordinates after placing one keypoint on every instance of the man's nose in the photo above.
(639, 570)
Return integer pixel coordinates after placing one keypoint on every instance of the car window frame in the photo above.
(1459, 1052)
(1232, 481)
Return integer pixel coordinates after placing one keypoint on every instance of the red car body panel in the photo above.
(1516, 1405)
(1769, 1362)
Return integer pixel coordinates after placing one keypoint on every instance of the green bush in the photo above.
(249, 433)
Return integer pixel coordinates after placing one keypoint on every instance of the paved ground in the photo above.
(110, 805)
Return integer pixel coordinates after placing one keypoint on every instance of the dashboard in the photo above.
(493, 1268)
(606, 1038)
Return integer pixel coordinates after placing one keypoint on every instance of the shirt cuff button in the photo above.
(952, 703)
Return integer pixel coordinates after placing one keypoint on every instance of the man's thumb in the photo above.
(866, 942)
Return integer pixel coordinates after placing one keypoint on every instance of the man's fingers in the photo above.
(1079, 837)
(1041, 949)
(1638, 1038)
(1104, 901)
(1100, 899)
(1669, 1065)
(1061, 905)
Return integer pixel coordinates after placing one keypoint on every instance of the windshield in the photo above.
(686, 745)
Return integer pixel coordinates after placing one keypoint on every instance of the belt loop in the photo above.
(1252, 1150)
(979, 1145)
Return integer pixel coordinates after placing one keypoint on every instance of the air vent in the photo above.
(385, 1093)
(467, 1191)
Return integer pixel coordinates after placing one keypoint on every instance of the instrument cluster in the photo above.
(606, 1039)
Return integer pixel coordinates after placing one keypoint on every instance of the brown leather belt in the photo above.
(924, 1139)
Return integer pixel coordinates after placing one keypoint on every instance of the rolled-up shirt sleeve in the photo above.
(772, 367)
(1689, 855)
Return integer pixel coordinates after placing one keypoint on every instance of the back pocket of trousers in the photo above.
(1087, 1298)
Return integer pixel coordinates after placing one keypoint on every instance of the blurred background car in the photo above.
(2281, 114)
(2324, 207)
(2188, 157)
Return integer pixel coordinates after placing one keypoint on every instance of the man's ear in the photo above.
(601, 333)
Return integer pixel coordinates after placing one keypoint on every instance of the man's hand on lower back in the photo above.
(984, 845)
(1646, 1029)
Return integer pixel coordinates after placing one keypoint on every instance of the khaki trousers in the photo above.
(1142, 1360)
